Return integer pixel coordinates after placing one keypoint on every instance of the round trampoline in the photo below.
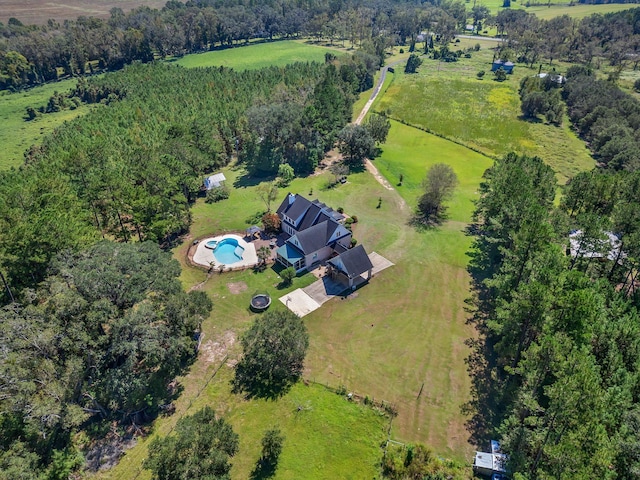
(260, 302)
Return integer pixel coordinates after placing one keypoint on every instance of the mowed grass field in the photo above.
(259, 55)
(449, 100)
(16, 134)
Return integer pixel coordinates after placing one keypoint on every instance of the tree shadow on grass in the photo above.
(247, 180)
(249, 382)
(263, 470)
(490, 388)
(423, 224)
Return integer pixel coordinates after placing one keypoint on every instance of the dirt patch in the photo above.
(237, 287)
(215, 350)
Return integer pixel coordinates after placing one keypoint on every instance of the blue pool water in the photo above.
(228, 251)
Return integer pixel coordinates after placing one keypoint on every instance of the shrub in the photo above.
(216, 194)
(501, 75)
(348, 221)
(354, 218)
(31, 114)
(636, 85)
(402, 50)
(354, 242)
(413, 63)
(476, 47)
(480, 74)
(340, 210)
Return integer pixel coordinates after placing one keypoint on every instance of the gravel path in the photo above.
(371, 168)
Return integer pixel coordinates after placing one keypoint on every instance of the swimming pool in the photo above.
(228, 251)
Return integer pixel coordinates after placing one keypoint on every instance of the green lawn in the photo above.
(256, 56)
(329, 437)
(577, 11)
(407, 327)
(557, 8)
(449, 100)
(16, 134)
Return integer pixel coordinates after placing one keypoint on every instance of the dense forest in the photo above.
(101, 337)
(559, 319)
(31, 55)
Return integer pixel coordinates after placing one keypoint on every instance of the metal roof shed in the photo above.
(214, 181)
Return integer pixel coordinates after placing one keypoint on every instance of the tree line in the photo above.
(612, 37)
(32, 54)
(556, 370)
(607, 118)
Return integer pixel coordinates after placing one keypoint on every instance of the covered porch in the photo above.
(289, 256)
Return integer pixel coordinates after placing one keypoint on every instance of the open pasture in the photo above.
(577, 11)
(39, 11)
(258, 55)
(557, 8)
(16, 134)
(449, 100)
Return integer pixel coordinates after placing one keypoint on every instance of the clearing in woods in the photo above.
(556, 8)
(259, 55)
(407, 327)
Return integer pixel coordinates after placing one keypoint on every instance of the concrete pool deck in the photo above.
(203, 256)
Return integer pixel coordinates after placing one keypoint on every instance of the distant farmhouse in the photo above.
(317, 234)
(505, 65)
(553, 77)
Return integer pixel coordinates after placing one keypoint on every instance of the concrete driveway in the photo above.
(305, 300)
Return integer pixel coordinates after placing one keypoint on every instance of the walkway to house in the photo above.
(305, 300)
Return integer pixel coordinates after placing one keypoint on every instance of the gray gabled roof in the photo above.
(312, 239)
(297, 208)
(310, 217)
(318, 236)
(353, 263)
